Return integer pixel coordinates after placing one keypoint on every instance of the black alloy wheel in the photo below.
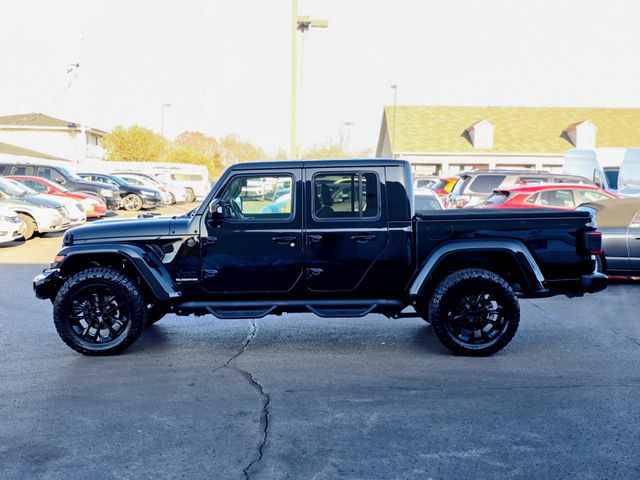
(99, 311)
(474, 312)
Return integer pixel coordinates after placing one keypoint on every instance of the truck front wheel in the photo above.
(474, 312)
(99, 311)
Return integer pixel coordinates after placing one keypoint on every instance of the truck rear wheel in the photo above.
(474, 312)
(99, 311)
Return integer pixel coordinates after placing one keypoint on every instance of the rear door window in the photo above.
(486, 183)
(556, 198)
(47, 172)
(22, 170)
(345, 195)
(587, 196)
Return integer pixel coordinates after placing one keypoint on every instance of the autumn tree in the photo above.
(134, 144)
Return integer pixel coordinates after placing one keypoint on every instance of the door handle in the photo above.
(363, 238)
(283, 239)
(311, 239)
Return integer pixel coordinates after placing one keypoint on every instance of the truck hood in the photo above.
(129, 228)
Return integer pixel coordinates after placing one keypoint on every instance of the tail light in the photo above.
(460, 201)
(593, 242)
(441, 191)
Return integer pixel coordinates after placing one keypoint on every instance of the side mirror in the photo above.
(216, 211)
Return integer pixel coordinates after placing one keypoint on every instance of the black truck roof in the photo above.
(351, 162)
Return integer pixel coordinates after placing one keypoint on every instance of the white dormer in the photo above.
(581, 134)
(480, 134)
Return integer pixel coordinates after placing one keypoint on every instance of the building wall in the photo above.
(450, 164)
(61, 143)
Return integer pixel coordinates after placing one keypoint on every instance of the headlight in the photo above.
(8, 218)
(105, 192)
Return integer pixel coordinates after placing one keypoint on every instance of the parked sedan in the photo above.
(134, 197)
(11, 227)
(75, 209)
(94, 206)
(171, 192)
(619, 222)
(563, 196)
(40, 215)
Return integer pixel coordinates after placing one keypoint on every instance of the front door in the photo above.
(633, 239)
(346, 226)
(257, 247)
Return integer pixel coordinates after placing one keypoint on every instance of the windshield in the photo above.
(462, 182)
(630, 174)
(23, 189)
(612, 177)
(8, 189)
(118, 180)
(69, 174)
(497, 198)
(426, 202)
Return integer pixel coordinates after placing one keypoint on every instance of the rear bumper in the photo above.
(47, 284)
(594, 282)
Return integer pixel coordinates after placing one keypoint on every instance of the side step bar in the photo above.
(322, 308)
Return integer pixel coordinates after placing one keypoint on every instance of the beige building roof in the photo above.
(8, 149)
(41, 120)
(517, 129)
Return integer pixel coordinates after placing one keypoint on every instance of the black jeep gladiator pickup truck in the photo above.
(338, 238)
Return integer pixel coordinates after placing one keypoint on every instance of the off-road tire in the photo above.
(453, 289)
(31, 229)
(115, 280)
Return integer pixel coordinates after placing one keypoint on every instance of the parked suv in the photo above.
(108, 193)
(473, 188)
(134, 197)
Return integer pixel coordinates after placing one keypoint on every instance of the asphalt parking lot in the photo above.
(302, 397)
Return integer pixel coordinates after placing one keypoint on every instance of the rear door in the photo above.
(346, 226)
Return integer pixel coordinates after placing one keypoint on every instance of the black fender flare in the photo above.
(147, 264)
(515, 248)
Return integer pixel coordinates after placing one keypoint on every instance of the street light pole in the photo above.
(164, 105)
(303, 24)
(394, 87)
(347, 139)
(293, 147)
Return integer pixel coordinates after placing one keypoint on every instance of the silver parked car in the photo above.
(38, 214)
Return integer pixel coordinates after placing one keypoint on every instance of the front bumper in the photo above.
(47, 283)
(112, 203)
(148, 202)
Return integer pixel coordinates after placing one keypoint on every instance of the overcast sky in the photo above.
(224, 65)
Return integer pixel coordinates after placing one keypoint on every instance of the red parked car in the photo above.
(563, 196)
(94, 206)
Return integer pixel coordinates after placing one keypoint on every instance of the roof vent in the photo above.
(480, 134)
(581, 134)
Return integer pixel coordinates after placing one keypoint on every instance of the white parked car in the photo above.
(11, 227)
(426, 200)
(75, 209)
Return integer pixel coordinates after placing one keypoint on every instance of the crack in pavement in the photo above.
(266, 398)
(557, 317)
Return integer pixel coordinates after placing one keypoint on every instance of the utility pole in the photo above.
(293, 148)
(302, 24)
(394, 87)
(347, 139)
(164, 105)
